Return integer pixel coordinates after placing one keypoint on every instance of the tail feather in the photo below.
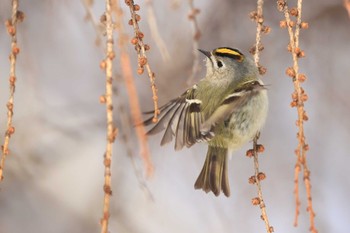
(213, 176)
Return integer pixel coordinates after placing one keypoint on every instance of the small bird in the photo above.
(225, 109)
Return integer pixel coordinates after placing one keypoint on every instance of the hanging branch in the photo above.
(107, 65)
(127, 125)
(259, 176)
(141, 49)
(258, 17)
(196, 34)
(130, 84)
(299, 97)
(134, 105)
(11, 25)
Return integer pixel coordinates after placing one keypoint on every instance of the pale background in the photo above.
(54, 176)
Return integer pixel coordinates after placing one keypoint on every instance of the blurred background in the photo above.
(54, 175)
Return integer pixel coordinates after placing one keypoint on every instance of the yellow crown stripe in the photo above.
(228, 51)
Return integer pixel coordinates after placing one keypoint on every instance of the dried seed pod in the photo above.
(102, 99)
(260, 148)
(20, 16)
(103, 18)
(304, 25)
(103, 64)
(9, 106)
(261, 176)
(294, 11)
(15, 50)
(11, 30)
(128, 2)
(281, 4)
(142, 61)
(290, 72)
(250, 153)
(140, 70)
(252, 180)
(10, 131)
(253, 15)
(111, 55)
(137, 17)
(136, 7)
(294, 104)
(256, 201)
(266, 29)
(154, 120)
(301, 77)
(304, 97)
(12, 80)
(305, 117)
(134, 41)
(301, 54)
(283, 24)
(140, 35)
(262, 70)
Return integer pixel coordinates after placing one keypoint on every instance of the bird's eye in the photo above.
(220, 64)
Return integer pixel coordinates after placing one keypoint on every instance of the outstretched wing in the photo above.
(231, 103)
(181, 118)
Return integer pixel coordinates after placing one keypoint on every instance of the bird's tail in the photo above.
(213, 176)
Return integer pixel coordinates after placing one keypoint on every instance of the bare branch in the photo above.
(141, 48)
(299, 96)
(131, 89)
(111, 130)
(11, 25)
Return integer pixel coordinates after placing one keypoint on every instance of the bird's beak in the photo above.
(206, 53)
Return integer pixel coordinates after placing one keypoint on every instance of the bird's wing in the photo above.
(182, 118)
(230, 104)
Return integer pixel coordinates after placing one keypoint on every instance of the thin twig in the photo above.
(258, 17)
(259, 176)
(125, 130)
(304, 147)
(158, 40)
(196, 34)
(259, 24)
(111, 130)
(11, 25)
(300, 110)
(141, 48)
(299, 97)
(132, 92)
